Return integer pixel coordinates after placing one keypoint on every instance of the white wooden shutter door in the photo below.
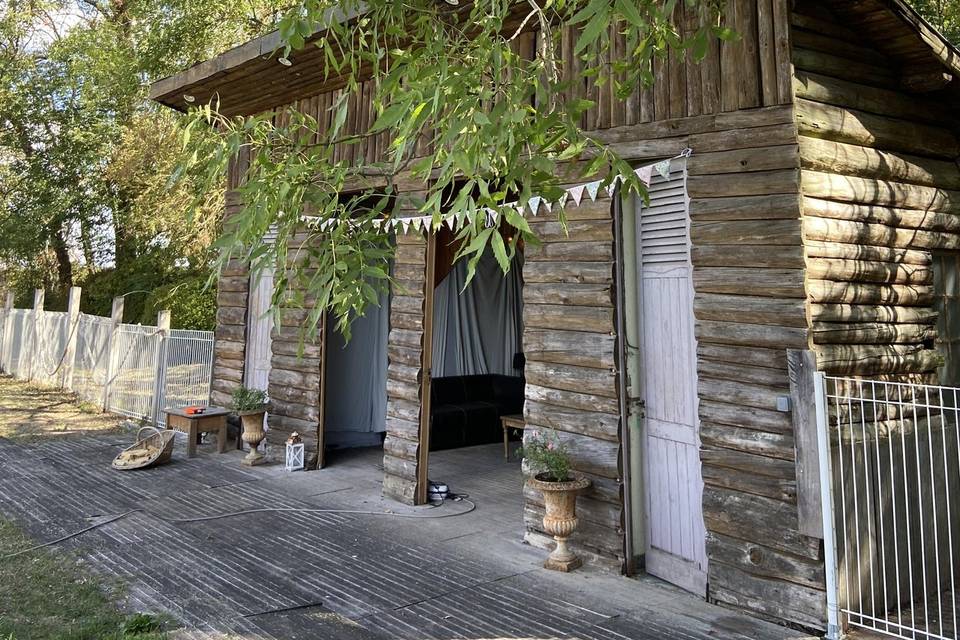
(676, 534)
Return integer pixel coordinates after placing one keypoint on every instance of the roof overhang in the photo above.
(251, 78)
(927, 60)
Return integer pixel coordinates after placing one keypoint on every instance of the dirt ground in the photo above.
(28, 411)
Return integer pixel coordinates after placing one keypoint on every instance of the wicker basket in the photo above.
(162, 441)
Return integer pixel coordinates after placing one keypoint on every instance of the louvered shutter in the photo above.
(664, 224)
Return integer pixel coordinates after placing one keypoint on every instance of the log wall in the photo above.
(230, 332)
(748, 281)
(295, 382)
(409, 326)
(743, 182)
(569, 339)
(881, 190)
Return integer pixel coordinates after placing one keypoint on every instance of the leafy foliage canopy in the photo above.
(472, 122)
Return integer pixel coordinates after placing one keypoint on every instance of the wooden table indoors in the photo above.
(212, 420)
(513, 421)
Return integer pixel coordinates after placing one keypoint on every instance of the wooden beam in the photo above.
(802, 369)
(426, 366)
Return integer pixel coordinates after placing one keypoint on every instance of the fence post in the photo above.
(825, 473)
(159, 379)
(37, 347)
(73, 329)
(7, 330)
(116, 317)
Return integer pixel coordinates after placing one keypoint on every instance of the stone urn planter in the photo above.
(560, 520)
(251, 406)
(253, 434)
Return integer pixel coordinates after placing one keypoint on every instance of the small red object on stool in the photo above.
(192, 411)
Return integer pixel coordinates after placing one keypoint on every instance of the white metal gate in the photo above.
(675, 531)
(895, 468)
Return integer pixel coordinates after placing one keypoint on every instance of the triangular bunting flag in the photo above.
(405, 224)
(663, 168)
(645, 173)
(548, 206)
(451, 222)
(534, 204)
(576, 193)
(613, 185)
(593, 188)
(563, 199)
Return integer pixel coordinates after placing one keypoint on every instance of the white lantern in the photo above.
(294, 457)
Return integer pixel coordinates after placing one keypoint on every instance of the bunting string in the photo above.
(532, 206)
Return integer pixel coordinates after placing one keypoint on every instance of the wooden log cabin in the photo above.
(818, 210)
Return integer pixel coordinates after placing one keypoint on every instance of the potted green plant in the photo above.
(549, 460)
(251, 406)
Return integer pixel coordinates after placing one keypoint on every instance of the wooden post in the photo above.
(73, 328)
(37, 332)
(116, 318)
(426, 367)
(160, 374)
(802, 369)
(322, 419)
(5, 345)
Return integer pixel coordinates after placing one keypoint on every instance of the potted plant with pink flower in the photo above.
(549, 460)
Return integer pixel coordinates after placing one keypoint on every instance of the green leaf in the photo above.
(390, 117)
(597, 25)
(726, 34)
(628, 9)
(500, 252)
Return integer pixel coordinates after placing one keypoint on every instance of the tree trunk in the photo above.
(64, 266)
(86, 244)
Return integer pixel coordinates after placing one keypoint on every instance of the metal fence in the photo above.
(895, 460)
(132, 370)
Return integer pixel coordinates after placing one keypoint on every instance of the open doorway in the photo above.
(355, 389)
(477, 381)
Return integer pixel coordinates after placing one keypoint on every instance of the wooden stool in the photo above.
(513, 421)
(212, 420)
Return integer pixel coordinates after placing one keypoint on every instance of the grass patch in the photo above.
(46, 595)
(28, 413)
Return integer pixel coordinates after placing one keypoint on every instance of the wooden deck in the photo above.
(333, 575)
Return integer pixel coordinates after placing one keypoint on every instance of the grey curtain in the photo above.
(356, 400)
(480, 328)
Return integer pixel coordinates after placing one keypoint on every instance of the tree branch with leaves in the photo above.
(470, 118)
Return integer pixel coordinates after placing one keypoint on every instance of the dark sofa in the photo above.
(466, 410)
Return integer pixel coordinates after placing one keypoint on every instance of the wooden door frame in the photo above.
(630, 451)
(426, 367)
(322, 409)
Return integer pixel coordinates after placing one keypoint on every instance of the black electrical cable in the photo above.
(232, 514)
